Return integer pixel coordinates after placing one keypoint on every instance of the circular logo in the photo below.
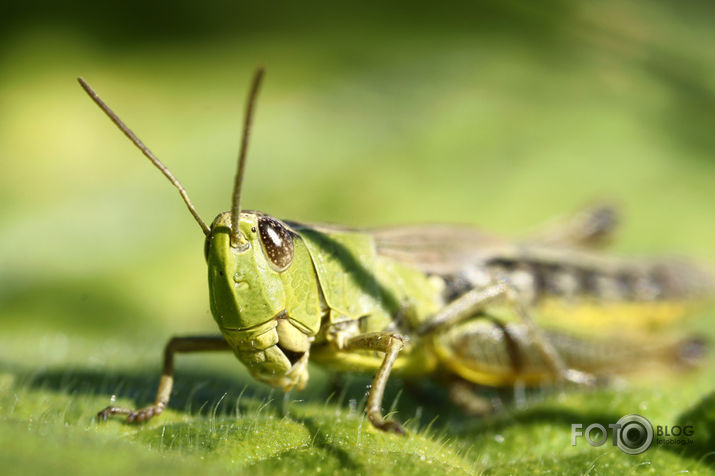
(635, 434)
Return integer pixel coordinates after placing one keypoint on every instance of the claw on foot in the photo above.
(393, 427)
(388, 426)
(103, 415)
(133, 416)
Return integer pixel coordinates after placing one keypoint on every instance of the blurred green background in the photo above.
(499, 114)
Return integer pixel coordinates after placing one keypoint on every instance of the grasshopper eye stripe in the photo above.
(274, 237)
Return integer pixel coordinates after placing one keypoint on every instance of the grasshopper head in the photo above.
(250, 258)
(247, 288)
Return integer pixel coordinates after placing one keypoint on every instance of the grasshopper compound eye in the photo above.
(277, 242)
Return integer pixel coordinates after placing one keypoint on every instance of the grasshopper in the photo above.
(420, 300)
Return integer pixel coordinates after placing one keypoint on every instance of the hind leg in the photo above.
(476, 301)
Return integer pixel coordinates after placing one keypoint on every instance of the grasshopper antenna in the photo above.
(236, 236)
(145, 150)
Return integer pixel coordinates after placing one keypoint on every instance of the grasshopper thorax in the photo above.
(248, 295)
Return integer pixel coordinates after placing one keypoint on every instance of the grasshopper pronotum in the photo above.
(419, 300)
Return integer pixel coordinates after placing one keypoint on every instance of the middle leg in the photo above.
(391, 344)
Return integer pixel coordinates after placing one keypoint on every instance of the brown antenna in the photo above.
(236, 236)
(145, 150)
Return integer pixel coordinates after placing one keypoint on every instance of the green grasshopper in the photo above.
(420, 300)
